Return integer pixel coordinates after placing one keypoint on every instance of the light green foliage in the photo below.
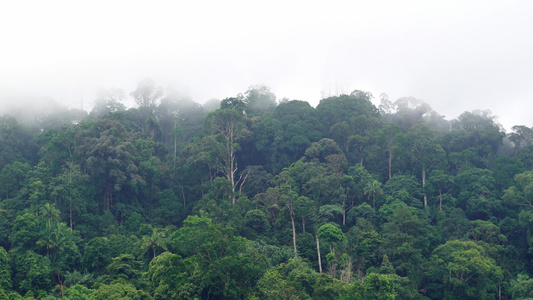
(522, 192)
(170, 277)
(378, 287)
(120, 291)
(522, 287)
(466, 270)
(78, 292)
(331, 235)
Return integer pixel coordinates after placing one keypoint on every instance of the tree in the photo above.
(124, 266)
(378, 286)
(373, 187)
(521, 193)
(154, 241)
(333, 110)
(77, 292)
(97, 254)
(228, 124)
(273, 286)
(147, 95)
(390, 135)
(282, 139)
(464, 271)
(425, 151)
(107, 154)
(331, 236)
(108, 101)
(5, 271)
(259, 99)
(32, 272)
(442, 181)
(171, 277)
(364, 128)
(520, 135)
(119, 290)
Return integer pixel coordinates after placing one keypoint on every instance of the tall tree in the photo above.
(107, 155)
(390, 136)
(425, 151)
(147, 95)
(259, 99)
(228, 124)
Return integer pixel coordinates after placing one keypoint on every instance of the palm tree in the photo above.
(50, 212)
(75, 277)
(373, 187)
(154, 241)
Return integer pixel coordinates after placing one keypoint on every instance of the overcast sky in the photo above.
(455, 55)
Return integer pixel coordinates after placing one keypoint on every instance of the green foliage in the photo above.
(78, 292)
(331, 235)
(256, 220)
(97, 254)
(166, 201)
(465, 269)
(5, 271)
(32, 272)
(119, 290)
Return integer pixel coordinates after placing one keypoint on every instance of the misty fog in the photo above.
(456, 56)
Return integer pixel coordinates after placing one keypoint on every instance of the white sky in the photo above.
(455, 55)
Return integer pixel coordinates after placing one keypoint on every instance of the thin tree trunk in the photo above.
(318, 252)
(424, 185)
(108, 195)
(440, 196)
(343, 213)
(70, 213)
(390, 163)
(175, 147)
(294, 234)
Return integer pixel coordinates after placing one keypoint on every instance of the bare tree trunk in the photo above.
(440, 195)
(175, 146)
(70, 213)
(293, 234)
(318, 252)
(424, 185)
(343, 213)
(390, 163)
(346, 273)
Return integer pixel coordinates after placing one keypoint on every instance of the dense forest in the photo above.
(253, 197)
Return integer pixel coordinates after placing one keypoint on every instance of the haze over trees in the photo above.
(263, 199)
